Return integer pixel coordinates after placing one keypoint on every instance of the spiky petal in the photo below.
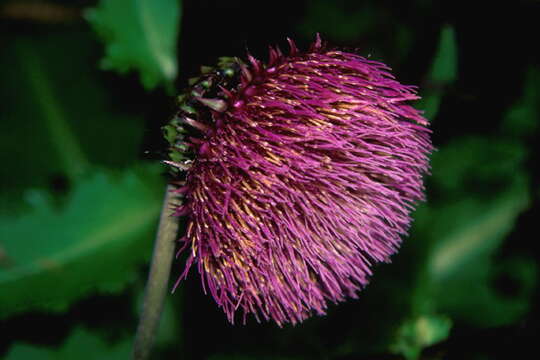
(306, 180)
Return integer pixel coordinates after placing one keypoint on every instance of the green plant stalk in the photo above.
(157, 284)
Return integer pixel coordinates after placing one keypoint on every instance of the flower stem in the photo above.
(156, 286)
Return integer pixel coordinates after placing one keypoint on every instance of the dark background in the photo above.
(482, 98)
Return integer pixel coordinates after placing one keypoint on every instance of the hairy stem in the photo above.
(156, 286)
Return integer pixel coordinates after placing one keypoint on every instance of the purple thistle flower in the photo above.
(305, 174)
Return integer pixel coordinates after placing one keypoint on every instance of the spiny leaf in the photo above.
(93, 243)
(139, 35)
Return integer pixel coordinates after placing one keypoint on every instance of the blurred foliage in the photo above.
(479, 187)
(140, 35)
(94, 243)
(60, 117)
(522, 118)
(444, 67)
(79, 207)
(56, 122)
(81, 345)
(443, 72)
(467, 231)
(416, 334)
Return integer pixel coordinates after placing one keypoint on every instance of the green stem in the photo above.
(157, 284)
(67, 145)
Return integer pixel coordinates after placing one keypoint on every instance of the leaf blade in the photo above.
(139, 35)
(95, 243)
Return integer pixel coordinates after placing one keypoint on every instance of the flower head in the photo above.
(304, 174)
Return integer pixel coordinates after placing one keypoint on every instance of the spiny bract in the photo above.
(303, 174)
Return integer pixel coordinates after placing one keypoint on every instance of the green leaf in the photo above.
(483, 190)
(61, 117)
(522, 118)
(81, 345)
(419, 333)
(94, 243)
(430, 103)
(73, 160)
(463, 266)
(475, 166)
(443, 72)
(139, 35)
(470, 230)
(444, 67)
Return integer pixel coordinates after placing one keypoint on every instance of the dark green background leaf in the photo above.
(60, 117)
(94, 349)
(94, 243)
(419, 333)
(443, 72)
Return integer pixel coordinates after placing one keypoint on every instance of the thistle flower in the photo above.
(302, 175)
